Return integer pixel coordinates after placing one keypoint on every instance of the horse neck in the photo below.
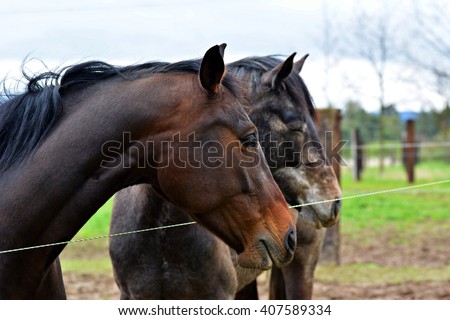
(50, 196)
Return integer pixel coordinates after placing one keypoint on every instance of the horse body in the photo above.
(77, 164)
(282, 110)
(169, 279)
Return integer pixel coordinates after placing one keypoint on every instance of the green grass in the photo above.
(406, 218)
(99, 224)
(91, 266)
(402, 208)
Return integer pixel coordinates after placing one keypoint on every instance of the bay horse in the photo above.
(203, 267)
(75, 137)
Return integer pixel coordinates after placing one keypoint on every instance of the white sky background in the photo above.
(61, 32)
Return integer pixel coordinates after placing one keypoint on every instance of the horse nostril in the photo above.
(336, 208)
(291, 241)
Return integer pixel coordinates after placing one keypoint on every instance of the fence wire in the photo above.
(193, 222)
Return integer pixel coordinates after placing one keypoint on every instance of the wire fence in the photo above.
(419, 145)
(395, 153)
(374, 193)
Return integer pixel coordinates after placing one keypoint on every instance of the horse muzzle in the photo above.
(267, 252)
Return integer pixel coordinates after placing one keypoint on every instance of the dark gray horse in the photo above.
(191, 263)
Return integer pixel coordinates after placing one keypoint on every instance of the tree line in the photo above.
(430, 125)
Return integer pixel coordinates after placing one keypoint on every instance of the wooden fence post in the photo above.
(357, 154)
(329, 120)
(410, 151)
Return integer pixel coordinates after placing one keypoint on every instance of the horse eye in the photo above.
(250, 141)
(296, 125)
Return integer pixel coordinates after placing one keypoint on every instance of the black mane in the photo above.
(256, 66)
(26, 118)
(89, 73)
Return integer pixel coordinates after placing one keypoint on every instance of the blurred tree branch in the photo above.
(429, 49)
(372, 37)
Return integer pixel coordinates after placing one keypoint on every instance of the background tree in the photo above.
(429, 53)
(328, 45)
(427, 124)
(372, 37)
(430, 50)
(355, 117)
(393, 124)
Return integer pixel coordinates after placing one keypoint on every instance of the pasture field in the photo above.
(393, 245)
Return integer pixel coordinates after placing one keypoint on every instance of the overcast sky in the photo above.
(154, 29)
(124, 32)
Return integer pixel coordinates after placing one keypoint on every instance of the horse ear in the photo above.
(212, 68)
(274, 77)
(299, 64)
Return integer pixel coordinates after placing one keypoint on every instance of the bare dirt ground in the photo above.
(432, 250)
(404, 291)
(95, 287)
